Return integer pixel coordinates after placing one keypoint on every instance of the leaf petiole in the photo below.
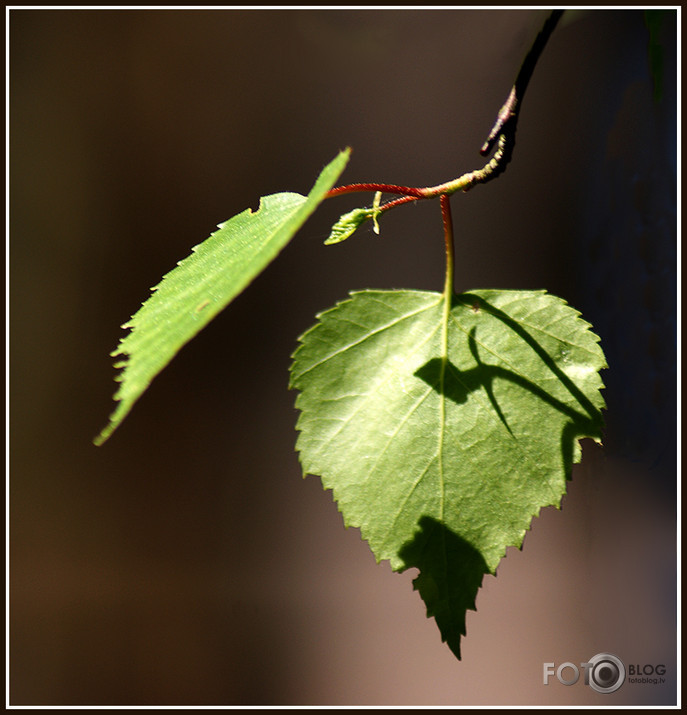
(448, 240)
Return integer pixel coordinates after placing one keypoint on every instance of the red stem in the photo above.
(398, 202)
(448, 240)
(384, 188)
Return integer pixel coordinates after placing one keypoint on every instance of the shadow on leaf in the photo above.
(592, 421)
(456, 384)
(451, 572)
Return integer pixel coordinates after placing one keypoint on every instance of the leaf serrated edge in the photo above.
(323, 183)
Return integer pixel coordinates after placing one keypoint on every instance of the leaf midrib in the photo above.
(447, 296)
(442, 397)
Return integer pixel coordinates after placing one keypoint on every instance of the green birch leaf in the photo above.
(444, 429)
(205, 282)
(348, 224)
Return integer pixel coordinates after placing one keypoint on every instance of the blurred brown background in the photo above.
(186, 561)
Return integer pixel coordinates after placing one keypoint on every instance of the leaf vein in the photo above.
(365, 337)
(390, 374)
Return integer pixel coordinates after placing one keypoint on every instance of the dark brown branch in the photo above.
(506, 123)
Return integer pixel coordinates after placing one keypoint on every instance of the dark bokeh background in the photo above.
(186, 561)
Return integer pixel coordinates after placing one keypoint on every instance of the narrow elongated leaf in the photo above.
(205, 282)
(444, 429)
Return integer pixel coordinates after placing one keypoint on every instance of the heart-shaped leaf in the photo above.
(444, 429)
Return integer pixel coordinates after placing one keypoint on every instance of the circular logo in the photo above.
(606, 673)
